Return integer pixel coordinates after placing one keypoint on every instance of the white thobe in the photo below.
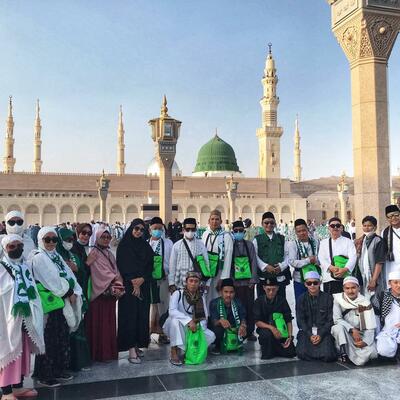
(389, 337)
(226, 270)
(341, 246)
(180, 314)
(340, 331)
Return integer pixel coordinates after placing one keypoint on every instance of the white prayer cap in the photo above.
(13, 214)
(311, 275)
(351, 279)
(394, 276)
(7, 239)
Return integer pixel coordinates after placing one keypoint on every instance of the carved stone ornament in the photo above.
(368, 35)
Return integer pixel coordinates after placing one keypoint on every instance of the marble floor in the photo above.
(232, 377)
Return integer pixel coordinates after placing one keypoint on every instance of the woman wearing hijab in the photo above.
(21, 320)
(62, 303)
(106, 288)
(135, 263)
(80, 353)
(81, 247)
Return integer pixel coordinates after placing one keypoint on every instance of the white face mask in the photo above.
(67, 245)
(189, 235)
(15, 229)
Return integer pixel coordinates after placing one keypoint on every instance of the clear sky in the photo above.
(83, 59)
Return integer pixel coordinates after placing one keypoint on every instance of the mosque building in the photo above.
(50, 198)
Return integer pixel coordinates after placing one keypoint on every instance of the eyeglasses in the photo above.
(86, 233)
(190, 229)
(138, 228)
(12, 222)
(268, 222)
(313, 283)
(395, 215)
(106, 237)
(333, 226)
(52, 239)
(15, 246)
(238, 230)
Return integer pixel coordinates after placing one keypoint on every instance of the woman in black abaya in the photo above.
(135, 264)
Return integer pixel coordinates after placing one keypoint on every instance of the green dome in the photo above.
(216, 155)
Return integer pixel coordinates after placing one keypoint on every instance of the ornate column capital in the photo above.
(366, 29)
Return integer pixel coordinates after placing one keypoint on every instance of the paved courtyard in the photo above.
(230, 377)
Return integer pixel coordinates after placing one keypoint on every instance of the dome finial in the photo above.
(10, 106)
(269, 48)
(216, 132)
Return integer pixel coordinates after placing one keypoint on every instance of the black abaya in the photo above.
(134, 260)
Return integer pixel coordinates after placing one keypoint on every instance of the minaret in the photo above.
(297, 153)
(121, 145)
(270, 133)
(37, 144)
(9, 160)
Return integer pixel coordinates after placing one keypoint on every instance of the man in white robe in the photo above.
(183, 315)
(218, 241)
(355, 323)
(388, 304)
(391, 237)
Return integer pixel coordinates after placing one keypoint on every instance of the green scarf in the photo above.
(24, 288)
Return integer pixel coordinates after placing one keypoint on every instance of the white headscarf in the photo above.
(15, 228)
(7, 239)
(41, 234)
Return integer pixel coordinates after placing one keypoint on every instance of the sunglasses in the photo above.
(238, 230)
(335, 226)
(69, 240)
(269, 223)
(15, 246)
(190, 229)
(52, 239)
(106, 237)
(137, 229)
(19, 222)
(313, 283)
(86, 233)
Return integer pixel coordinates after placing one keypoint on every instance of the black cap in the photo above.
(189, 221)
(270, 282)
(391, 208)
(268, 214)
(237, 224)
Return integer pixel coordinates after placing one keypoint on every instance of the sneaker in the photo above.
(65, 377)
(215, 351)
(252, 338)
(52, 383)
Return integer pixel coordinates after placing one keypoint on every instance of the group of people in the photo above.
(59, 300)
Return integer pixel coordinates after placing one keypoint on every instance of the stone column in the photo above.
(231, 188)
(366, 30)
(102, 185)
(343, 194)
(165, 134)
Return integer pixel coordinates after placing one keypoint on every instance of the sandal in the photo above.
(177, 363)
(135, 360)
(8, 397)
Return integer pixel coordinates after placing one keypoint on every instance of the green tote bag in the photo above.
(196, 346)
